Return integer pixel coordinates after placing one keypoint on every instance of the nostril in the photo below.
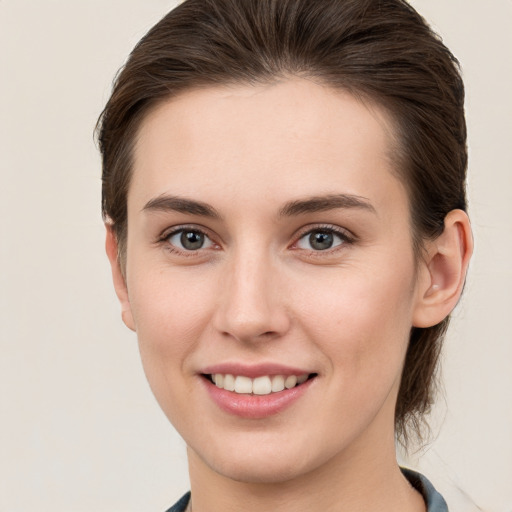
(256, 324)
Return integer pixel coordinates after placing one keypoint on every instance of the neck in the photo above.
(347, 482)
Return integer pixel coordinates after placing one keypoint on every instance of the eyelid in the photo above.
(172, 230)
(347, 236)
(164, 237)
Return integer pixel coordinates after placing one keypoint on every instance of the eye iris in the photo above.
(320, 240)
(192, 240)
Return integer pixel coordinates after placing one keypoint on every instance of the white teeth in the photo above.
(263, 385)
(277, 383)
(290, 382)
(243, 384)
(229, 383)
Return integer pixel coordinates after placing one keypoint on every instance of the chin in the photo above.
(258, 471)
(263, 462)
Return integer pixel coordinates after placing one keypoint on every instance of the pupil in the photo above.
(321, 241)
(192, 240)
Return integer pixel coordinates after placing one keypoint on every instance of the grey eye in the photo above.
(190, 240)
(320, 240)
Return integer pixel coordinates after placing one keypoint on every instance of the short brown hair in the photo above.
(382, 50)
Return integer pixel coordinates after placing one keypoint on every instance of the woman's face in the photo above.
(269, 239)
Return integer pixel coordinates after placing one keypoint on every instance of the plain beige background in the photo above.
(79, 428)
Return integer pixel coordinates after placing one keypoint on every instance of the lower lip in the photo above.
(255, 406)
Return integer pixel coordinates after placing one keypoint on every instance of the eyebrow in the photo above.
(325, 203)
(181, 204)
(293, 208)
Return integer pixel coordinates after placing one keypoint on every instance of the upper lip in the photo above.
(253, 370)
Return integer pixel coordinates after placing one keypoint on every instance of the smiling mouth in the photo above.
(264, 385)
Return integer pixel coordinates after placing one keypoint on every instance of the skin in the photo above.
(258, 292)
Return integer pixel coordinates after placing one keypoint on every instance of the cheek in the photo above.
(171, 313)
(170, 310)
(362, 326)
(363, 320)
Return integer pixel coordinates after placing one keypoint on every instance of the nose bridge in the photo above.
(251, 307)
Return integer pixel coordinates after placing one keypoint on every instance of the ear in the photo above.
(118, 278)
(442, 273)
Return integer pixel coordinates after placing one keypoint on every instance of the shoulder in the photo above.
(434, 501)
(181, 504)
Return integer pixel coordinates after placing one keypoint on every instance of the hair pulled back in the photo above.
(380, 50)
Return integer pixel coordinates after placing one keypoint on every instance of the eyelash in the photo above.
(165, 239)
(343, 235)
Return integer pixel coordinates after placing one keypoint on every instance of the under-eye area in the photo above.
(263, 385)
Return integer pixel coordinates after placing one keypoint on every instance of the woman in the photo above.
(284, 195)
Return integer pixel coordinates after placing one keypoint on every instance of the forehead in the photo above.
(293, 136)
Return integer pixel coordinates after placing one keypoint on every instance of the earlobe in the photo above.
(443, 272)
(118, 278)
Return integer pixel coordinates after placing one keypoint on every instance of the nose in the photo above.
(252, 304)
